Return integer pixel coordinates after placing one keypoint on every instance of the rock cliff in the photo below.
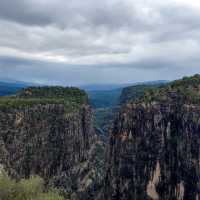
(154, 146)
(48, 131)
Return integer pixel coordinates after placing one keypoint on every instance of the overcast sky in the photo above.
(73, 42)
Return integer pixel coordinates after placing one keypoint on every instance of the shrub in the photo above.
(25, 189)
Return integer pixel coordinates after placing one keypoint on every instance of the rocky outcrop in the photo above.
(154, 146)
(50, 137)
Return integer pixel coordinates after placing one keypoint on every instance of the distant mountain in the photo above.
(104, 98)
(9, 87)
(108, 87)
(102, 87)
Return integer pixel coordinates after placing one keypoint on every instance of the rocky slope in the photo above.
(154, 146)
(48, 131)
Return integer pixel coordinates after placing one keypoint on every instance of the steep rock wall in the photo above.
(154, 148)
(154, 151)
(47, 141)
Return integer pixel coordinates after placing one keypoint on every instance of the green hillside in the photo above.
(132, 93)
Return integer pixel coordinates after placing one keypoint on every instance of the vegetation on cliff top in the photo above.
(132, 93)
(71, 97)
(71, 94)
(25, 189)
(186, 90)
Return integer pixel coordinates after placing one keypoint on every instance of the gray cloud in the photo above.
(92, 13)
(49, 72)
(22, 11)
(98, 41)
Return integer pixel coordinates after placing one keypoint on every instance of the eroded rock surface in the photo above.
(154, 147)
(50, 136)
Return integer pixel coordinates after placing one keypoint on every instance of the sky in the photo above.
(85, 42)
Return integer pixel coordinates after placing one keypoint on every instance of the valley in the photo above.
(138, 142)
(99, 100)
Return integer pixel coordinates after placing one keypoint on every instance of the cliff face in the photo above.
(47, 137)
(154, 147)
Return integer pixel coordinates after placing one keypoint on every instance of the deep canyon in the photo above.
(151, 149)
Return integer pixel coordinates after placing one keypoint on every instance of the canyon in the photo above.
(152, 150)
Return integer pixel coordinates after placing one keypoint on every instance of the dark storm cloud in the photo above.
(98, 41)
